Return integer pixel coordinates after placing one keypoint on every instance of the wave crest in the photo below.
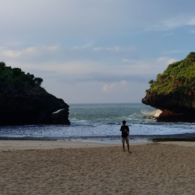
(153, 114)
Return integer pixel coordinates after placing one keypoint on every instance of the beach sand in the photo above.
(52, 168)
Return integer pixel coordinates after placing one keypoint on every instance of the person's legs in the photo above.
(127, 142)
(123, 142)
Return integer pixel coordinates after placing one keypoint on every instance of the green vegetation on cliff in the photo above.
(14, 80)
(24, 101)
(178, 78)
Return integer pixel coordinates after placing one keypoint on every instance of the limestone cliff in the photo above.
(173, 91)
(24, 101)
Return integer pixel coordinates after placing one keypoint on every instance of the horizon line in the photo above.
(105, 103)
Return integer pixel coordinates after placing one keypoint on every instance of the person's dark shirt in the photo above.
(124, 131)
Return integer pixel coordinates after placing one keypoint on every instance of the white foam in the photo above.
(153, 114)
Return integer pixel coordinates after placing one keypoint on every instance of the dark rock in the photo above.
(59, 116)
(173, 92)
(24, 101)
(168, 116)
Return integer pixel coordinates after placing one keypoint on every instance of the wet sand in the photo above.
(61, 168)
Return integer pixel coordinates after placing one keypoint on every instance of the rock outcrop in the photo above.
(24, 101)
(173, 92)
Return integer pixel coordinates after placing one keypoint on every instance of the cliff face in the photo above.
(24, 101)
(173, 91)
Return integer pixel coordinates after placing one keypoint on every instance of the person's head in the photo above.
(124, 122)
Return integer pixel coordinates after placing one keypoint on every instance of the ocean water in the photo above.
(101, 122)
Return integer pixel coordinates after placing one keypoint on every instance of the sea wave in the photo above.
(102, 121)
(151, 114)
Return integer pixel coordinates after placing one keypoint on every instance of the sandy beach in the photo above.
(45, 167)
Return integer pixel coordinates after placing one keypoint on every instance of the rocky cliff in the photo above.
(173, 91)
(24, 101)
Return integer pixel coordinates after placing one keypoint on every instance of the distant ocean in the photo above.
(101, 122)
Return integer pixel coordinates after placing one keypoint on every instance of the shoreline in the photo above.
(52, 143)
(182, 136)
(15, 145)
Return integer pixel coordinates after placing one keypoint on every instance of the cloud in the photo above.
(110, 75)
(114, 49)
(115, 86)
(175, 52)
(84, 63)
(27, 52)
(92, 47)
(146, 67)
(61, 53)
(85, 46)
(46, 20)
(173, 23)
(166, 60)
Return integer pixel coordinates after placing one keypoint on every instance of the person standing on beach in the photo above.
(125, 135)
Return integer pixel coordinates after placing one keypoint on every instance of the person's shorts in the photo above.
(125, 139)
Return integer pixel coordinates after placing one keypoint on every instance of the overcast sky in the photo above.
(93, 51)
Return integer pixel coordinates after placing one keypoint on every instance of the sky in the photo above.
(96, 51)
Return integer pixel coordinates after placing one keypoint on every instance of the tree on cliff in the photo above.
(24, 101)
(174, 89)
(13, 80)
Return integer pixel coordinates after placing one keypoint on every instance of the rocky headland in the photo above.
(23, 100)
(173, 91)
